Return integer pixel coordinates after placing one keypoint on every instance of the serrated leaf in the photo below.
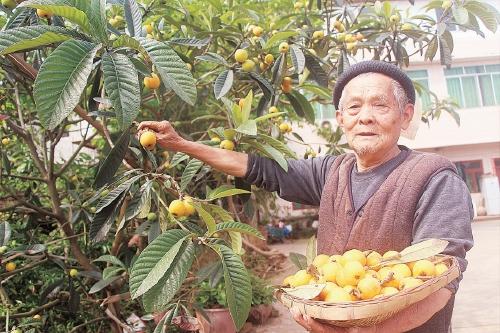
(190, 42)
(264, 85)
(236, 242)
(249, 127)
(301, 106)
(144, 205)
(422, 250)
(280, 146)
(237, 283)
(460, 14)
(189, 172)
(272, 153)
(127, 41)
(102, 221)
(173, 71)
(318, 74)
(213, 57)
(444, 52)
(5, 233)
(111, 271)
(299, 260)
(311, 250)
(279, 36)
(61, 80)
(162, 263)
(97, 17)
(158, 297)
(72, 10)
(122, 85)
(110, 259)
(206, 217)
(113, 161)
(239, 227)
(19, 17)
(111, 196)
(101, 284)
(309, 291)
(247, 107)
(269, 115)
(223, 83)
(31, 37)
(219, 212)
(431, 49)
(222, 192)
(298, 58)
(485, 14)
(278, 69)
(133, 17)
(318, 90)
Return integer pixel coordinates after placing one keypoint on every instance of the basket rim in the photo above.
(368, 308)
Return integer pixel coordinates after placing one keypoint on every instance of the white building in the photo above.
(473, 81)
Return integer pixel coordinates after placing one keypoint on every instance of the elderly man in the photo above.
(381, 197)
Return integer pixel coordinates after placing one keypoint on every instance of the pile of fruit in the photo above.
(357, 275)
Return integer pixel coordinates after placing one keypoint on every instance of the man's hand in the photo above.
(315, 326)
(166, 136)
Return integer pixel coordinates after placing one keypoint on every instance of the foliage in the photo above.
(76, 76)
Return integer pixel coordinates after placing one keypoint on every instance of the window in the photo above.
(421, 78)
(324, 111)
(474, 86)
(497, 168)
(471, 172)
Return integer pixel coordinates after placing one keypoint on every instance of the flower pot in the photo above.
(220, 321)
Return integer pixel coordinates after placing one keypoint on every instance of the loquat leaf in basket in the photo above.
(422, 250)
(309, 291)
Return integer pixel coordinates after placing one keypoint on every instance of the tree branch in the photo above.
(33, 311)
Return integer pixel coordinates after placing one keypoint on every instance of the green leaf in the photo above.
(73, 10)
(279, 36)
(247, 106)
(122, 86)
(127, 41)
(485, 15)
(113, 161)
(249, 127)
(111, 196)
(298, 58)
(271, 152)
(386, 7)
(158, 263)
(431, 49)
(62, 79)
(319, 91)
(264, 85)
(144, 205)
(111, 271)
(97, 17)
(237, 283)
(110, 259)
(133, 17)
(219, 212)
(190, 42)
(460, 14)
(223, 83)
(269, 115)
(158, 297)
(101, 284)
(225, 191)
(173, 71)
(205, 216)
(283, 148)
(236, 242)
(213, 57)
(298, 259)
(239, 227)
(102, 221)
(5, 233)
(317, 72)
(301, 105)
(31, 37)
(189, 172)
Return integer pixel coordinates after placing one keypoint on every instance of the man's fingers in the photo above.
(154, 125)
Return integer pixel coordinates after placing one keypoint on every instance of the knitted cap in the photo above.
(375, 66)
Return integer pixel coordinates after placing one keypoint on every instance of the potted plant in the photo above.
(262, 299)
(212, 309)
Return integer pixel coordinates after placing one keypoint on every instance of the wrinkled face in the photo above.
(370, 115)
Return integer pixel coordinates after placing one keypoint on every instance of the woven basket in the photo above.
(374, 311)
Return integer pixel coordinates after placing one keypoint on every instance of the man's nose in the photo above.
(366, 114)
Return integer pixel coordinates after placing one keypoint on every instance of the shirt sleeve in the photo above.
(445, 211)
(303, 183)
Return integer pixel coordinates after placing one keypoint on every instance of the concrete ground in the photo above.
(477, 304)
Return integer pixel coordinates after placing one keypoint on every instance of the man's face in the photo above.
(370, 115)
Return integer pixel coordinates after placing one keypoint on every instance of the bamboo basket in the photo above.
(374, 311)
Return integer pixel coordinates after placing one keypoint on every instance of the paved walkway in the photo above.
(477, 305)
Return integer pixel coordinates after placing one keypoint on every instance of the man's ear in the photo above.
(407, 116)
(340, 118)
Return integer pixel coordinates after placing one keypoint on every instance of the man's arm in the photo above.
(303, 182)
(227, 161)
(445, 211)
(412, 317)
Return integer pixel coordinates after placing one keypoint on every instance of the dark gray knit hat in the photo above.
(375, 66)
